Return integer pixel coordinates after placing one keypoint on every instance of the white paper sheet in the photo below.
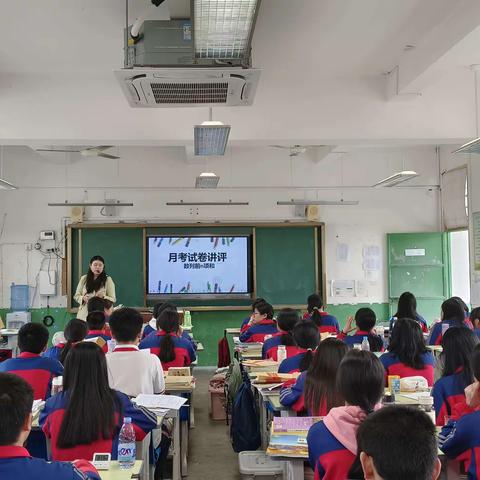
(159, 401)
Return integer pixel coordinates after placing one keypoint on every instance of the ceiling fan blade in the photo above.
(279, 146)
(56, 150)
(106, 155)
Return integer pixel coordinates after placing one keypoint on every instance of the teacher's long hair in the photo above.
(92, 404)
(94, 284)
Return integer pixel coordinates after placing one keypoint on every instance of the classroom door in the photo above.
(419, 263)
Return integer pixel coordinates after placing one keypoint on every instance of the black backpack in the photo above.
(245, 428)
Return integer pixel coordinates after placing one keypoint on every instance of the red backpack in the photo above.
(223, 352)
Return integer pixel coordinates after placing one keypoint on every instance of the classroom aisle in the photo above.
(211, 454)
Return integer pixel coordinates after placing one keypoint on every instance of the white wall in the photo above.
(149, 177)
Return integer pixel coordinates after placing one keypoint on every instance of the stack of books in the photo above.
(255, 366)
(250, 350)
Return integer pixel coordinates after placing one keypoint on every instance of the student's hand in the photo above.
(100, 294)
(472, 395)
(85, 298)
(180, 331)
(348, 324)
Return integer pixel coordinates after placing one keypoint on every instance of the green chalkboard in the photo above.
(285, 264)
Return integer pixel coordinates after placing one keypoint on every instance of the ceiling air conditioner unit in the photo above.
(181, 87)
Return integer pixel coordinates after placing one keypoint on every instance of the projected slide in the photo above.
(198, 265)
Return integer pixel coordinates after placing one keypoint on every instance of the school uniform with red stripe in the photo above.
(51, 418)
(270, 344)
(16, 462)
(38, 371)
(291, 350)
(101, 334)
(148, 330)
(329, 322)
(436, 335)
(357, 337)
(292, 364)
(329, 459)
(447, 392)
(393, 366)
(258, 332)
(54, 352)
(292, 396)
(420, 320)
(184, 352)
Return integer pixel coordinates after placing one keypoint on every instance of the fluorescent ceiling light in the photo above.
(207, 180)
(90, 204)
(4, 185)
(223, 29)
(210, 138)
(396, 178)
(470, 147)
(318, 202)
(181, 203)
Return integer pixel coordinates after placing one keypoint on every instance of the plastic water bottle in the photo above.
(365, 344)
(281, 353)
(187, 319)
(126, 445)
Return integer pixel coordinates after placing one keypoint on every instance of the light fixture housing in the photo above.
(210, 138)
(90, 204)
(224, 29)
(470, 147)
(4, 185)
(182, 203)
(207, 180)
(396, 178)
(318, 202)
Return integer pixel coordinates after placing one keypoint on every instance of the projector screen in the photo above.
(198, 265)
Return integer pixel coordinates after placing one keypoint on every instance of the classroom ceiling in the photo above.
(323, 80)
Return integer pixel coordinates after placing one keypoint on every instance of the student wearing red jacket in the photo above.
(315, 312)
(38, 371)
(96, 327)
(172, 350)
(307, 338)
(287, 318)
(260, 325)
(458, 345)
(453, 315)
(461, 438)
(245, 321)
(315, 389)
(87, 415)
(365, 320)
(332, 443)
(407, 354)
(75, 331)
(16, 400)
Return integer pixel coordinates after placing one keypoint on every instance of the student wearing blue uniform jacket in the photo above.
(407, 308)
(75, 331)
(448, 391)
(16, 400)
(261, 325)
(332, 443)
(307, 339)
(461, 438)
(453, 315)
(96, 321)
(365, 320)
(287, 318)
(316, 313)
(475, 319)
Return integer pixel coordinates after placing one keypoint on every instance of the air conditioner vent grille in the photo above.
(191, 93)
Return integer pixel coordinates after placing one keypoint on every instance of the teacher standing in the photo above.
(96, 283)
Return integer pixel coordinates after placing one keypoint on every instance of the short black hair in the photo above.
(365, 319)
(97, 303)
(96, 320)
(401, 441)
(475, 362)
(265, 308)
(257, 301)
(287, 318)
(32, 337)
(126, 324)
(158, 308)
(16, 400)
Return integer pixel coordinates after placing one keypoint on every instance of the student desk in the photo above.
(115, 473)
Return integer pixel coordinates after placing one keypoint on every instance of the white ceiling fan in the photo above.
(86, 152)
(296, 150)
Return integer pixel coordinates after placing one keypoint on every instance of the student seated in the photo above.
(96, 327)
(287, 318)
(398, 443)
(315, 312)
(87, 415)
(260, 325)
(307, 338)
(172, 350)
(96, 304)
(475, 319)
(407, 354)
(332, 443)
(245, 321)
(365, 320)
(452, 315)
(16, 400)
(462, 437)
(130, 370)
(38, 371)
(458, 345)
(315, 389)
(407, 308)
(75, 331)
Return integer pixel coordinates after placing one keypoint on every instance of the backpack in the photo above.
(245, 427)
(223, 352)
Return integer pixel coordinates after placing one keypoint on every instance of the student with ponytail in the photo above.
(332, 444)
(307, 339)
(172, 350)
(287, 318)
(75, 331)
(323, 320)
